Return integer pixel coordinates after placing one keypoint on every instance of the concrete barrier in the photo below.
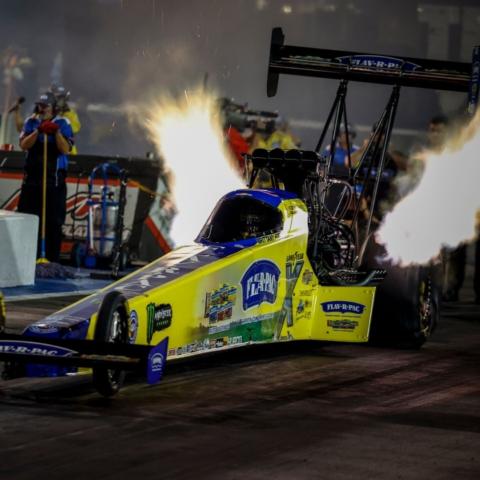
(18, 248)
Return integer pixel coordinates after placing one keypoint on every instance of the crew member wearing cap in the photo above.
(62, 96)
(58, 133)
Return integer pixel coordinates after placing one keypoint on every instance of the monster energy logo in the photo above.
(159, 317)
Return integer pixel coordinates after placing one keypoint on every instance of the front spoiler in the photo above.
(21, 350)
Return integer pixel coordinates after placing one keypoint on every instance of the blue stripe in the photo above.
(271, 196)
(168, 268)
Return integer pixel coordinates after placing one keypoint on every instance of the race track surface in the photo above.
(313, 411)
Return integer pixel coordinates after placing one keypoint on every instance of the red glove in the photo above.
(48, 127)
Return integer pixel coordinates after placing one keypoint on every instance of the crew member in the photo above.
(282, 137)
(233, 124)
(65, 110)
(386, 194)
(44, 124)
(340, 163)
(238, 146)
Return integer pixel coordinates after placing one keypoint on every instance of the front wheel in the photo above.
(112, 327)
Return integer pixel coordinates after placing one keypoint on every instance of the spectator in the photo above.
(66, 111)
(261, 130)
(387, 194)
(282, 137)
(58, 133)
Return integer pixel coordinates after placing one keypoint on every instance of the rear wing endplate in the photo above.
(363, 67)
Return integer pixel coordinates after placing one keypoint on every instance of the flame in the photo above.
(189, 137)
(441, 210)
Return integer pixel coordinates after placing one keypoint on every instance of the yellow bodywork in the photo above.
(264, 293)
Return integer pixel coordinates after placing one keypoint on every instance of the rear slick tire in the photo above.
(112, 326)
(406, 306)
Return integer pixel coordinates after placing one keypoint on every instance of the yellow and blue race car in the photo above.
(251, 276)
(294, 261)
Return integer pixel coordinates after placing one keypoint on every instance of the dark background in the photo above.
(120, 52)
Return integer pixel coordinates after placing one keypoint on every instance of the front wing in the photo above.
(19, 350)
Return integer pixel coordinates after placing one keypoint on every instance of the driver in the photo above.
(250, 225)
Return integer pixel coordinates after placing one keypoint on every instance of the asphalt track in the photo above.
(310, 411)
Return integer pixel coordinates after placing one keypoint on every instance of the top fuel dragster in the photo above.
(289, 262)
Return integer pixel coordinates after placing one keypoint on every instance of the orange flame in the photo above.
(441, 210)
(188, 135)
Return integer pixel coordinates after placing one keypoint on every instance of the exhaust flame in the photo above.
(441, 210)
(188, 135)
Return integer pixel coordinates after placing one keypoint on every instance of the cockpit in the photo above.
(239, 218)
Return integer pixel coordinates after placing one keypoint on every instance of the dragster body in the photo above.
(298, 261)
(229, 288)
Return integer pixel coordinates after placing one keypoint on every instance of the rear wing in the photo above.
(363, 67)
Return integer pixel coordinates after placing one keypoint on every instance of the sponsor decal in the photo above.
(241, 322)
(207, 344)
(306, 293)
(260, 283)
(235, 340)
(132, 326)
(159, 317)
(343, 307)
(11, 203)
(342, 324)
(304, 308)
(156, 361)
(77, 204)
(378, 61)
(293, 268)
(301, 307)
(43, 328)
(219, 303)
(34, 348)
(268, 238)
(307, 277)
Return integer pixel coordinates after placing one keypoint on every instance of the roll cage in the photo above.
(339, 232)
